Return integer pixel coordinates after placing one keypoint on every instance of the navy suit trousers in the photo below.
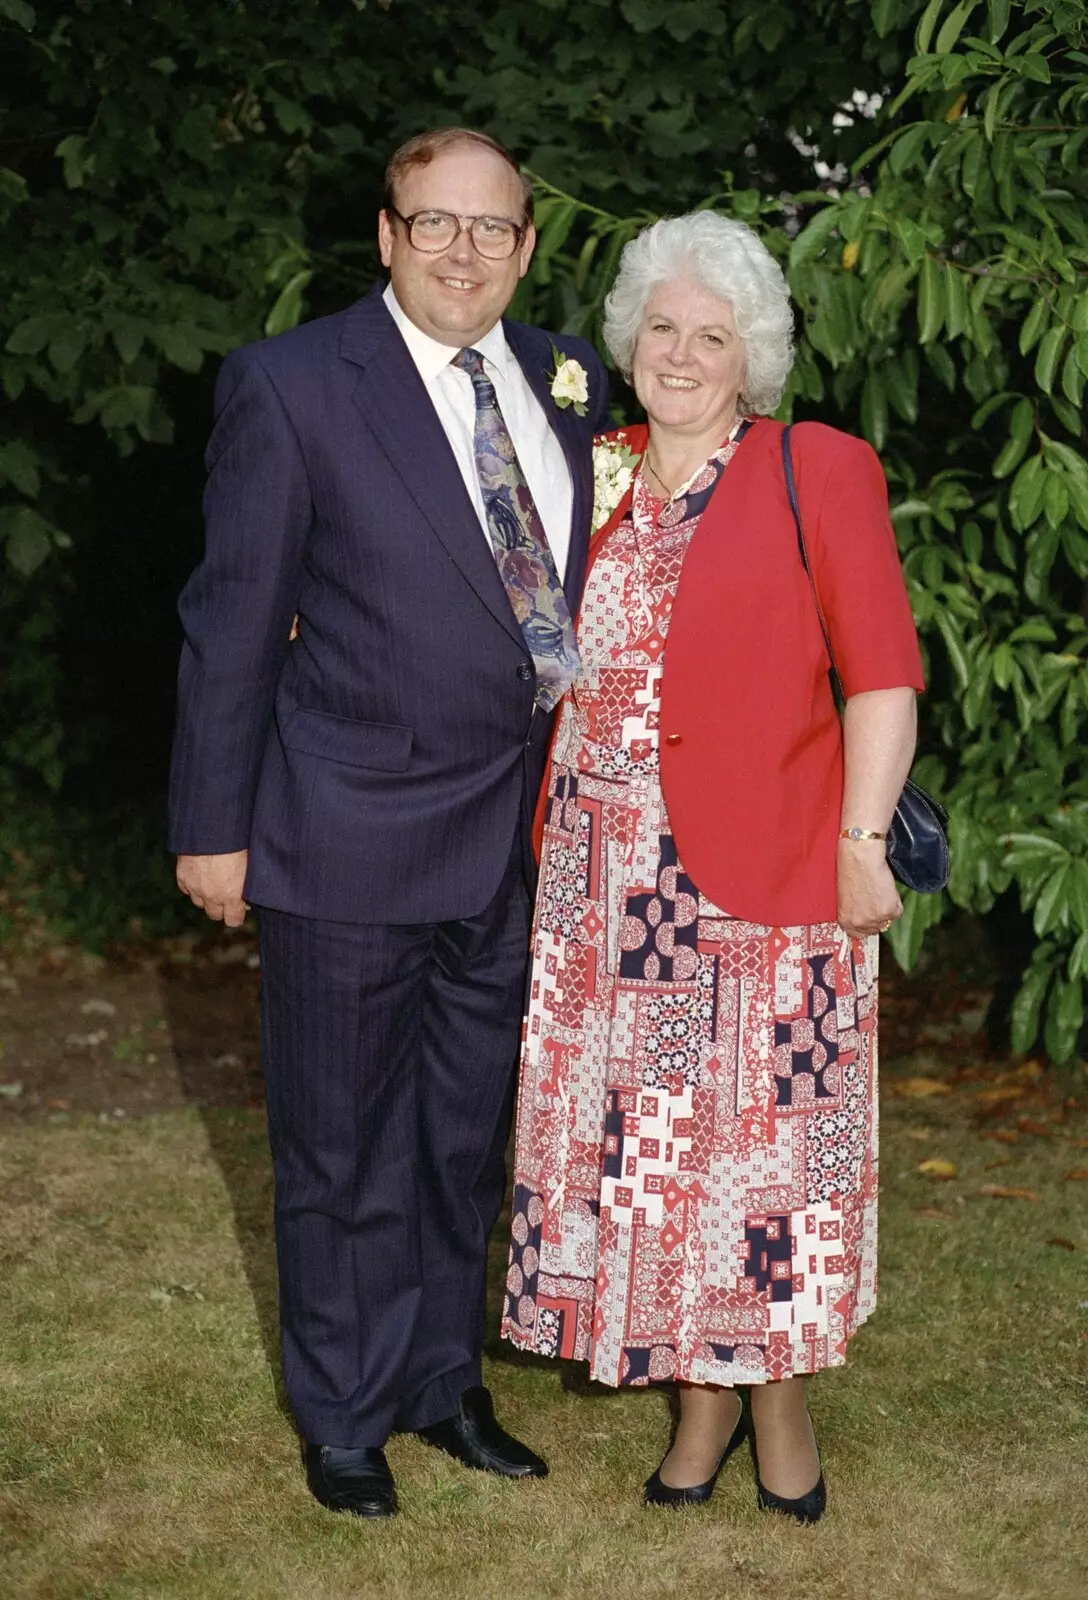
(390, 1055)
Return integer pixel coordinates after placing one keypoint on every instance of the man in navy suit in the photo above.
(365, 699)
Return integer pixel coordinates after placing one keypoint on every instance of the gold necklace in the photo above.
(670, 494)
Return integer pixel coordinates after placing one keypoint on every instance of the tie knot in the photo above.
(470, 361)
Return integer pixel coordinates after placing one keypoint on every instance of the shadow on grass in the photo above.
(199, 1010)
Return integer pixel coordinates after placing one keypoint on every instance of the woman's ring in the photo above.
(884, 926)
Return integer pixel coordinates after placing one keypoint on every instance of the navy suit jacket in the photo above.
(375, 767)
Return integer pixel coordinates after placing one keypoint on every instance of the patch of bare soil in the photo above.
(148, 1030)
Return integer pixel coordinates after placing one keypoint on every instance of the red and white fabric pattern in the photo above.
(696, 1176)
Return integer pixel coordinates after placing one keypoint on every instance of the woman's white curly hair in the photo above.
(729, 260)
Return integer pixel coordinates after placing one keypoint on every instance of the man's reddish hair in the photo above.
(420, 151)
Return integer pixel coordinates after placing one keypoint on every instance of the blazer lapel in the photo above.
(532, 348)
(399, 412)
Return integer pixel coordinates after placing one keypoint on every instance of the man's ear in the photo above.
(385, 237)
(525, 250)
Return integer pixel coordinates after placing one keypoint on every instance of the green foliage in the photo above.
(943, 291)
(173, 184)
(69, 875)
(957, 282)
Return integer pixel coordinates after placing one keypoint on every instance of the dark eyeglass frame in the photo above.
(464, 225)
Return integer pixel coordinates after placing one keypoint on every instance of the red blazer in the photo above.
(750, 740)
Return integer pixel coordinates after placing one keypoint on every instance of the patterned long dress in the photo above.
(695, 1176)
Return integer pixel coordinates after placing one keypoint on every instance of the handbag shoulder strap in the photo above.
(791, 492)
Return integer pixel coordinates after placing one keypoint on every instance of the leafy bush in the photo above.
(181, 184)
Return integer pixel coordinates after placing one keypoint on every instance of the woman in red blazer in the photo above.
(695, 1186)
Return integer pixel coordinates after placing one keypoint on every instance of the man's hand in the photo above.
(214, 883)
(868, 897)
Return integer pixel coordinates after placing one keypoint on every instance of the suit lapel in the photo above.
(399, 412)
(532, 348)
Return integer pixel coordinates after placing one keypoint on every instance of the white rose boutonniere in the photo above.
(570, 384)
(614, 464)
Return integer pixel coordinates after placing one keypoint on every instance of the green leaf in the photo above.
(1051, 908)
(874, 409)
(1082, 352)
(942, 365)
(1003, 665)
(1033, 325)
(999, 17)
(1042, 549)
(31, 336)
(1064, 1017)
(906, 149)
(66, 347)
(20, 466)
(78, 165)
(1028, 1005)
(287, 309)
(1068, 415)
(12, 186)
(1046, 362)
(953, 641)
(814, 236)
(19, 12)
(1021, 423)
(1078, 893)
(1026, 494)
(901, 381)
(1035, 67)
(28, 538)
(912, 239)
(885, 16)
(181, 347)
(1072, 380)
(926, 24)
(1038, 632)
(920, 913)
(953, 26)
(931, 301)
(957, 309)
(1055, 499)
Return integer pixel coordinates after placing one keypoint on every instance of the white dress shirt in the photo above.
(538, 450)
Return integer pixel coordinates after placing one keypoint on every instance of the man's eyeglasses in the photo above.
(434, 231)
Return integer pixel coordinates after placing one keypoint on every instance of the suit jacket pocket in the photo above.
(382, 745)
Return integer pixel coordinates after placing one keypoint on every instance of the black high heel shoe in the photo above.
(656, 1493)
(806, 1508)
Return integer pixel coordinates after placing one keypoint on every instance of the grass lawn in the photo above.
(144, 1450)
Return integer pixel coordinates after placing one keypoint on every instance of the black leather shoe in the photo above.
(473, 1437)
(351, 1480)
(657, 1493)
(806, 1508)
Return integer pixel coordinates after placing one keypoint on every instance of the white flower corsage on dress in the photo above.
(614, 464)
(570, 383)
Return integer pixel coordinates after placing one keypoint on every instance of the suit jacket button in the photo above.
(672, 738)
(525, 671)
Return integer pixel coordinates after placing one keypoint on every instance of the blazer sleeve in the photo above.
(855, 561)
(236, 609)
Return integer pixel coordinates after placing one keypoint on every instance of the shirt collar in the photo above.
(431, 357)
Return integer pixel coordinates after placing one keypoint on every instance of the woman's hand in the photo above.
(868, 897)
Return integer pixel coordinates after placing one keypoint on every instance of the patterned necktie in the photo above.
(525, 562)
